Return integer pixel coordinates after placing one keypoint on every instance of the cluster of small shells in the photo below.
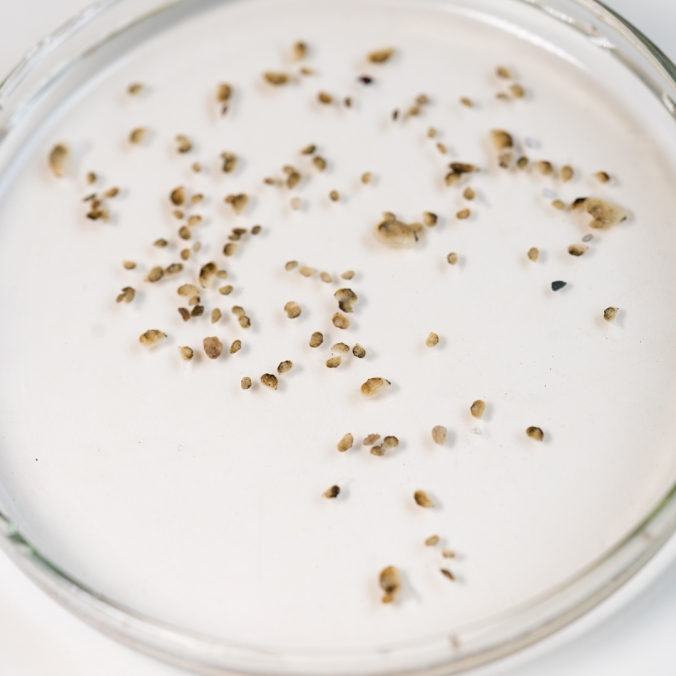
(390, 230)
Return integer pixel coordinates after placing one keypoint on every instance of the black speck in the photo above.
(558, 285)
(365, 79)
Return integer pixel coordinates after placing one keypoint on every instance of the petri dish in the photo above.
(184, 515)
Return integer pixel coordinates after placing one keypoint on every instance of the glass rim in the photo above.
(476, 644)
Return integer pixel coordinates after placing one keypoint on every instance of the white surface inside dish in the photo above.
(168, 488)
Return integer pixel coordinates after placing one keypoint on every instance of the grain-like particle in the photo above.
(518, 92)
(307, 271)
(319, 162)
(173, 269)
(152, 337)
(187, 290)
(448, 553)
(577, 249)
(345, 443)
(196, 167)
(567, 173)
(366, 177)
(238, 311)
(185, 314)
(223, 92)
(246, 383)
(186, 353)
(397, 234)
(293, 178)
(469, 194)
(452, 258)
(447, 573)
(334, 362)
(316, 339)
(137, 135)
(183, 144)
(229, 162)
(59, 160)
(237, 202)
(604, 213)
(467, 102)
(275, 78)
(390, 583)
(177, 196)
(559, 204)
(389, 442)
(326, 277)
(332, 492)
(501, 139)
(111, 192)
(441, 148)
(374, 386)
(432, 540)
(558, 285)
(135, 88)
(291, 265)
(216, 315)
(340, 321)
(610, 313)
(533, 253)
(349, 274)
(207, 273)
(544, 167)
(422, 499)
(222, 274)
(371, 439)
(292, 309)
(430, 219)
(334, 195)
(225, 290)
(197, 311)
(256, 229)
(535, 433)
(229, 249)
(478, 408)
(503, 73)
(432, 340)
(244, 322)
(269, 380)
(324, 98)
(295, 203)
(129, 265)
(340, 347)
(184, 232)
(381, 55)
(127, 295)
(213, 347)
(91, 177)
(299, 50)
(236, 346)
(522, 162)
(439, 434)
(602, 176)
(463, 214)
(161, 243)
(155, 274)
(358, 351)
(346, 299)
(309, 149)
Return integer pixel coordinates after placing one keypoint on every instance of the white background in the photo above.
(632, 633)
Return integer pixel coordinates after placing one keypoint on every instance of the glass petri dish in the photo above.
(185, 517)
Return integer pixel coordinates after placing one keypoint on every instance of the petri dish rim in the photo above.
(473, 645)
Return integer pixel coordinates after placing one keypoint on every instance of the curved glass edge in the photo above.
(471, 646)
